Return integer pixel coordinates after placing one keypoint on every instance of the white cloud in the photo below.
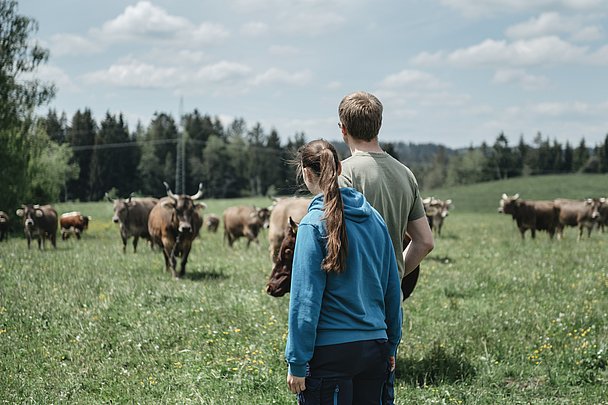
(280, 76)
(223, 71)
(588, 34)
(480, 8)
(135, 73)
(552, 23)
(520, 77)
(66, 44)
(548, 50)
(145, 21)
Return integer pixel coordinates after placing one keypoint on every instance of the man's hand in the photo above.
(391, 361)
(296, 384)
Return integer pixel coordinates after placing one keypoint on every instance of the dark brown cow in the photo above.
(603, 214)
(580, 213)
(132, 216)
(279, 282)
(294, 207)
(173, 225)
(535, 215)
(244, 221)
(73, 223)
(3, 226)
(436, 212)
(39, 221)
(213, 222)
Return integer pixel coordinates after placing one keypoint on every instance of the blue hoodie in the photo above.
(361, 303)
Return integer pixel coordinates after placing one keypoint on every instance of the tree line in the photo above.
(231, 161)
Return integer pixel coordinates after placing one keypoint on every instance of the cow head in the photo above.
(264, 216)
(595, 204)
(507, 205)
(280, 279)
(29, 213)
(184, 209)
(121, 209)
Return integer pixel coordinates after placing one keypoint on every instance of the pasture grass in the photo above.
(494, 320)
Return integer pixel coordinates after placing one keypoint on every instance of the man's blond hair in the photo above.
(361, 114)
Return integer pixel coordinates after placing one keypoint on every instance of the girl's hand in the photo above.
(296, 384)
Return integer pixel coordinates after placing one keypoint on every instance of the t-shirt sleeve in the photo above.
(417, 211)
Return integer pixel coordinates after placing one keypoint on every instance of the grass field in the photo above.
(494, 319)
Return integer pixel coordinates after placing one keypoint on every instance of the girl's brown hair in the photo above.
(321, 157)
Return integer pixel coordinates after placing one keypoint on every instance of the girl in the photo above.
(344, 308)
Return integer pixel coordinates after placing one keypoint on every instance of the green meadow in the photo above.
(493, 320)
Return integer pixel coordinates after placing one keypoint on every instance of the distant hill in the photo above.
(411, 154)
(484, 197)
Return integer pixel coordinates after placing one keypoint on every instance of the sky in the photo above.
(450, 72)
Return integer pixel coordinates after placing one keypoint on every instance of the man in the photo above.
(387, 184)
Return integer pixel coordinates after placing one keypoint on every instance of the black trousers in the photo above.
(347, 373)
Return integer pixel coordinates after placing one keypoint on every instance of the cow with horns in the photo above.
(173, 225)
(39, 221)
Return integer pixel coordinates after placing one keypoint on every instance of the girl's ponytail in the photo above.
(321, 157)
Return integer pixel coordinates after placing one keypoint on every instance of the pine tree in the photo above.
(81, 137)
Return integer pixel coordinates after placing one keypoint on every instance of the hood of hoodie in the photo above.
(356, 207)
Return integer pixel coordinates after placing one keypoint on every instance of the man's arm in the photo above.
(420, 246)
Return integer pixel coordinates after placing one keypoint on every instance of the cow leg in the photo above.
(40, 244)
(185, 253)
(124, 243)
(167, 260)
(533, 233)
(135, 240)
(29, 242)
(53, 239)
(77, 234)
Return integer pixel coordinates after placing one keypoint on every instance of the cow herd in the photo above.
(552, 216)
(172, 222)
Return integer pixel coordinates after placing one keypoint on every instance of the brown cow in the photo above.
(294, 207)
(603, 210)
(581, 213)
(132, 216)
(279, 282)
(73, 223)
(535, 215)
(3, 226)
(173, 225)
(39, 221)
(244, 221)
(213, 222)
(436, 212)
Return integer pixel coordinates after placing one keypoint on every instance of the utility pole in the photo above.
(180, 153)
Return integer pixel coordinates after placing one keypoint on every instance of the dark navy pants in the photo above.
(347, 373)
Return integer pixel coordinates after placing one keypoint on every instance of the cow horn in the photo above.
(504, 196)
(109, 198)
(169, 192)
(199, 193)
(516, 196)
(130, 196)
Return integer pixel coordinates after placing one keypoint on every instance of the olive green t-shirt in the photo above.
(390, 187)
